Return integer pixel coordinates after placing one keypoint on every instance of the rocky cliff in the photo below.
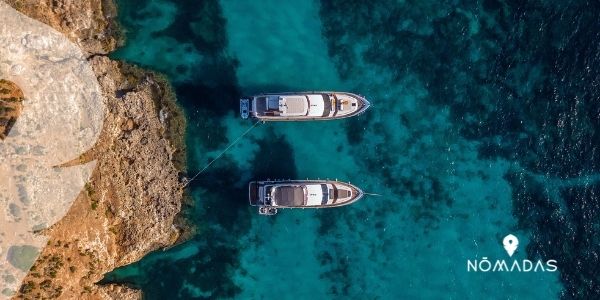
(130, 206)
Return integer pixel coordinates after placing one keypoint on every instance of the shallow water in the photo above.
(484, 122)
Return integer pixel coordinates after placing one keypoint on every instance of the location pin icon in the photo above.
(511, 243)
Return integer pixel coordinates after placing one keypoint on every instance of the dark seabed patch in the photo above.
(564, 217)
(521, 79)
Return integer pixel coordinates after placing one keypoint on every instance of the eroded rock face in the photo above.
(11, 105)
(89, 24)
(137, 166)
(129, 206)
(119, 292)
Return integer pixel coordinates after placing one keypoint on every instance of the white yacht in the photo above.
(272, 195)
(303, 106)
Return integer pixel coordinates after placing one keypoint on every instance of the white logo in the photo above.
(511, 243)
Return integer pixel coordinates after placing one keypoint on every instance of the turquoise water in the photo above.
(484, 122)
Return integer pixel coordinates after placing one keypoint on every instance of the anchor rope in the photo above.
(222, 152)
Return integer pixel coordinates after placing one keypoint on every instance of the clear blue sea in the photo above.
(485, 121)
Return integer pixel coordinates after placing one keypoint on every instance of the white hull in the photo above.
(272, 195)
(303, 106)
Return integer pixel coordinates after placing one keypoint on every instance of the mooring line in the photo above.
(223, 152)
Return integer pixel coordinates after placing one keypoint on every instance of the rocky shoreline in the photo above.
(131, 205)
